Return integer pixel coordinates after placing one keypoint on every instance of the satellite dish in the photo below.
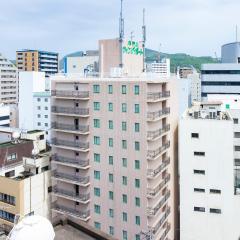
(16, 135)
(32, 227)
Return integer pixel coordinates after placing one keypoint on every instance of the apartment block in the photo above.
(162, 68)
(38, 61)
(208, 179)
(8, 82)
(113, 154)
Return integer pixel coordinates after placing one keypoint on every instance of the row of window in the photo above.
(97, 158)
(97, 141)
(7, 199)
(211, 210)
(39, 116)
(39, 108)
(7, 216)
(40, 124)
(97, 124)
(202, 190)
(96, 107)
(97, 176)
(96, 89)
(45, 99)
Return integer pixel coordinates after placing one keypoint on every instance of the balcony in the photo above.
(71, 128)
(69, 111)
(71, 145)
(81, 95)
(82, 198)
(157, 96)
(71, 178)
(82, 215)
(154, 116)
(71, 162)
(153, 154)
(166, 231)
(152, 211)
(152, 192)
(153, 135)
(153, 173)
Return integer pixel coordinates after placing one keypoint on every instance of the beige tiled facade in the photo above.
(112, 154)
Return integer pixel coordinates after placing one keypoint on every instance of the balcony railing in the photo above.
(167, 229)
(157, 95)
(73, 144)
(70, 94)
(70, 127)
(151, 135)
(70, 110)
(152, 211)
(151, 116)
(71, 177)
(152, 154)
(71, 194)
(84, 215)
(153, 173)
(152, 192)
(73, 161)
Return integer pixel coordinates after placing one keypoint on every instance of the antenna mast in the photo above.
(144, 39)
(121, 34)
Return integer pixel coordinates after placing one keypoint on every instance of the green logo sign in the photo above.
(132, 48)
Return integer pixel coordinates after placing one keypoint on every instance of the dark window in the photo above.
(215, 210)
(215, 191)
(237, 134)
(43, 169)
(220, 71)
(41, 137)
(235, 120)
(195, 135)
(10, 174)
(237, 161)
(237, 148)
(50, 189)
(77, 170)
(76, 88)
(4, 118)
(199, 209)
(199, 190)
(199, 172)
(199, 153)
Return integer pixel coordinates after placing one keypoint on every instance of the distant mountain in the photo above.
(177, 59)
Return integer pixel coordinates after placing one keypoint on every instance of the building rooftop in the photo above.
(12, 143)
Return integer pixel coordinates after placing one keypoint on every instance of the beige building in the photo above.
(113, 154)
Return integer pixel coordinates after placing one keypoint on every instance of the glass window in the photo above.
(110, 107)
(125, 237)
(137, 237)
(124, 89)
(97, 225)
(97, 175)
(96, 123)
(136, 108)
(110, 194)
(137, 164)
(124, 180)
(110, 89)
(111, 230)
(124, 162)
(137, 127)
(39, 99)
(110, 124)
(137, 201)
(124, 107)
(124, 144)
(124, 126)
(96, 88)
(97, 209)
(124, 216)
(110, 160)
(96, 106)
(111, 213)
(137, 146)
(110, 142)
(96, 157)
(110, 177)
(124, 198)
(137, 183)
(137, 220)
(97, 192)
(96, 140)
(136, 89)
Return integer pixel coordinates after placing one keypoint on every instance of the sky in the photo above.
(195, 27)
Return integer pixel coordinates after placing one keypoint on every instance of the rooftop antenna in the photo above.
(132, 35)
(144, 39)
(159, 53)
(121, 34)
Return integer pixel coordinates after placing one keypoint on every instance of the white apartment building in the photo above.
(209, 200)
(4, 115)
(34, 101)
(195, 87)
(162, 68)
(8, 81)
(113, 154)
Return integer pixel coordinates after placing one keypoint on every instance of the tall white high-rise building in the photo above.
(162, 68)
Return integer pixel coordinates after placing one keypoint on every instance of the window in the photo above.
(110, 195)
(199, 172)
(110, 89)
(46, 116)
(124, 89)
(97, 175)
(137, 220)
(97, 225)
(111, 230)
(96, 123)
(110, 142)
(137, 201)
(110, 107)
(124, 180)
(137, 164)
(137, 146)
(12, 157)
(124, 216)
(137, 183)
(111, 213)
(137, 237)
(124, 107)
(39, 115)
(110, 160)
(136, 108)
(195, 135)
(237, 148)
(46, 124)
(215, 210)
(97, 209)
(97, 192)
(136, 89)
(124, 162)
(237, 161)
(199, 209)
(96, 157)
(96, 88)
(110, 124)
(39, 124)
(137, 127)
(124, 198)
(46, 99)
(235, 120)
(7, 199)
(39, 99)
(46, 108)
(39, 108)
(216, 191)
(202, 154)
(199, 190)
(124, 144)
(237, 134)
(96, 106)
(110, 177)
(125, 237)
(124, 126)
(96, 140)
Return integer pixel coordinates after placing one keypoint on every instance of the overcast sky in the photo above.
(196, 27)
